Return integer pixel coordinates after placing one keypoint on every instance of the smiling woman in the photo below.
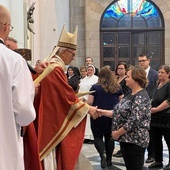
(131, 119)
(73, 78)
(160, 118)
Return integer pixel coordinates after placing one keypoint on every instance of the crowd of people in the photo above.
(143, 111)
(47, 123)
(142, 106)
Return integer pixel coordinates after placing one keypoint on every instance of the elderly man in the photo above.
(16, 99)
(61, 115)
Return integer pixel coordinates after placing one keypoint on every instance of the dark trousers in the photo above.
(104, 145)
(157, 134)
(133, 156)
(150, 146)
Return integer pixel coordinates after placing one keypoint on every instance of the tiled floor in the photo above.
(118, 164)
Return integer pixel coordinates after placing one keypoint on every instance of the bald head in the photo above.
(5, 21)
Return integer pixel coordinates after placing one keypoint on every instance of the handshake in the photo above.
(95, 112)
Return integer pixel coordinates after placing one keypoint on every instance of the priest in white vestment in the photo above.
(16, 99)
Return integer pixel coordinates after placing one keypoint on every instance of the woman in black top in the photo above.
(121, 70)
(107, 94)
(160, 117)
(73, 78)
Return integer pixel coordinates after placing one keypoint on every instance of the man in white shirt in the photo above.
(16, 99)
(152, 75)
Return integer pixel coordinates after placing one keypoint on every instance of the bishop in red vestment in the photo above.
(61, 116)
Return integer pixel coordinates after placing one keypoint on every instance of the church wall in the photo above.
(49, 17)
(93, 10)
(17, 19)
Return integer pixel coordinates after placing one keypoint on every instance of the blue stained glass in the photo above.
(147, 10)
(139, 7)
(114, 12)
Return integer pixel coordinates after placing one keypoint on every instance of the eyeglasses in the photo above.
(141, 61)
(11, 27)
(71, 52)
(120, 68)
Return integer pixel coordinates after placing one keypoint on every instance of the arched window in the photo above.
(129, 28)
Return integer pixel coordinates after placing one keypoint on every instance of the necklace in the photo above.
(162, 83)
(120, 79)
(134, 91)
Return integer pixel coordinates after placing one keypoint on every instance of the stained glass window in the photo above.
(131, 14)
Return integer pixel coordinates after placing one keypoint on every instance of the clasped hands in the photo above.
(95, 112)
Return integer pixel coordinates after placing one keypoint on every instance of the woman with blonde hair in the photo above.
(83, 72)
(107, 94)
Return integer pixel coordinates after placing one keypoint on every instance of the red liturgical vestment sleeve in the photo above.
(59, 120)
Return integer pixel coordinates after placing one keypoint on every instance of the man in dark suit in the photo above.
(89, 61)
(152, 76)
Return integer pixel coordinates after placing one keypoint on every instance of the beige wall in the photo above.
(17, 19)
(50, 16)
(88, 17)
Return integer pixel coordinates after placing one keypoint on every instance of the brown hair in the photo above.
(139, 75)
(166, 68)
(12, 39)
(83, 67)
(107, 80)
(121, 63)
(90, 58)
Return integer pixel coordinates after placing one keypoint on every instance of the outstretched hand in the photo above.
(93, 112)
(107, 113)
(99, 112)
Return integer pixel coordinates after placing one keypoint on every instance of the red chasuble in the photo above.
(58, 111)
(31, 156)
(31, 151)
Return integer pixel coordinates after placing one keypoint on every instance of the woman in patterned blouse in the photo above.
(131, 119)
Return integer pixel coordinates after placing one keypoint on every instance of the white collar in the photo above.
(147, 71)
(2, 40)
